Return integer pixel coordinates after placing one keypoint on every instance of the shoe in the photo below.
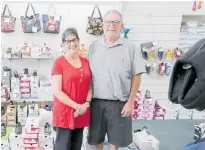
(16, 75)
(160, 53)
(148, 68)
(33, 105)
(18, 128)
(152, 54)
(145, 53)
(47, 107)
(161, 69)
(35, 73)
(154, 69)
(23, 104)
(167, 69)
(26, 71)
(178, 53)
(147, 94)
(169, 54)
(9, 50)
(47, 129)
(11, 103)
(2, 110)
(3, 129)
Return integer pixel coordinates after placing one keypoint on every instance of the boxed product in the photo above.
(32, 125)
(5, 139)
(145, 141)
(16, 140)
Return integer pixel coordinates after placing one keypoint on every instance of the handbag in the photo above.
(30, 24)
(8, 22)
(51, 23)
(95, 24)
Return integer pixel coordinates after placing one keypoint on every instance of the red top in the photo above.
(76, 90)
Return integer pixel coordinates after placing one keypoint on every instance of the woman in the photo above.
(71, 82)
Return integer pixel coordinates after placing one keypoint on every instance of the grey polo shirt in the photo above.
(113, 67)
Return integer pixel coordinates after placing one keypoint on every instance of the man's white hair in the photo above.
(113, 11)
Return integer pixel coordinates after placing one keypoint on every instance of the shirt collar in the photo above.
(119, 41)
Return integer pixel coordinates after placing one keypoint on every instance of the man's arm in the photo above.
(138, 67)
(134, 87)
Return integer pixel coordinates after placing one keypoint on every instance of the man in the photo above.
(116, 67)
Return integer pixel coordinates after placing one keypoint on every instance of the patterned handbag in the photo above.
(95, 24)
(8, 22)
(30, 24)
(51, 23)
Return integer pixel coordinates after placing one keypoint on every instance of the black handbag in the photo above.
(95, 24)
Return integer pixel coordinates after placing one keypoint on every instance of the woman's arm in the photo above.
(57, 91)
(90, 93)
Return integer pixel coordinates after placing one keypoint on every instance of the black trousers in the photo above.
(67, 139)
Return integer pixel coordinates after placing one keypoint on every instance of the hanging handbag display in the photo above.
(51, 22)
(8, 22)
(95, 23)
(30, 24)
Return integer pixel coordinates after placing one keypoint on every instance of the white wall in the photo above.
(149, 21)
(156, 21)
(73, 15)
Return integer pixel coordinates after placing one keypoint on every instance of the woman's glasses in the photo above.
(68, 42)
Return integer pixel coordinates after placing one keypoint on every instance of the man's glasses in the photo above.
(71, 41)
(109, 22)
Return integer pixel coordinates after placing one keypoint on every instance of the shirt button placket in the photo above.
(81, 75)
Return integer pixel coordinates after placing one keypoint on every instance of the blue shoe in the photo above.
(47, 107)
(167, 69)
(160, 53)
(3, 129)
(145, 53)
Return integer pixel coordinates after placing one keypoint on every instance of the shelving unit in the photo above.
(192, 30)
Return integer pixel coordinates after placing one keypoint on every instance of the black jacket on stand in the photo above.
(187, 82)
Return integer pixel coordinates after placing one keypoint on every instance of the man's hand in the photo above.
(127, 109)
(81, 109)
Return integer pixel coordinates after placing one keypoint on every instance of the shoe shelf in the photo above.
(27, 100)
(192, 29)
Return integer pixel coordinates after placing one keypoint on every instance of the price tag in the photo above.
(57, 18)
(34, 29)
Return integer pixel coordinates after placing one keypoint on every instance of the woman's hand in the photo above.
(81, 109)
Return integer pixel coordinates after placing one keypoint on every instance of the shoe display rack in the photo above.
(33, 128)
(192, 30)
(159, 61)
(146, 107)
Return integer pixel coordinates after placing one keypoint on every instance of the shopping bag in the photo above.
(30, 24)
(145, 140)
(8, 22)
(51, 22)
(94, 26)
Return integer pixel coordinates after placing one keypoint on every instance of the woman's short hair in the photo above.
(69, 31)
